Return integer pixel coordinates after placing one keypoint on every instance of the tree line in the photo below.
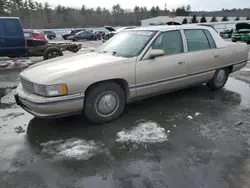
(34, 14)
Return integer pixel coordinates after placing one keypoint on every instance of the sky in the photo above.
(196, 5)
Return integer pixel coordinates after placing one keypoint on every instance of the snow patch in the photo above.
(8, 99)
(246, 69)
(197, 114)
(190, 117)
(72, 149)
(145, 132)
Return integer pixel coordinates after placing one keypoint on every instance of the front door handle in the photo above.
(181, 62)
(216, 55)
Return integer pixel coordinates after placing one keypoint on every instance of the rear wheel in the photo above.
(76, 39)
(234, 41)
(104, 102)
(52, 53)
(219, 79)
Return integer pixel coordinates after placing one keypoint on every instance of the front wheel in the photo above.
(76, 39)
(104, 102)
(219, 79)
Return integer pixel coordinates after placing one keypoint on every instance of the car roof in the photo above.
(31, 31)
(169, 27)
(13, 18)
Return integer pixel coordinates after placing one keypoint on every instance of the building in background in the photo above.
(176, 20)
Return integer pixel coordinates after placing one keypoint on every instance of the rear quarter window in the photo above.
(210, 39)
(12, 27)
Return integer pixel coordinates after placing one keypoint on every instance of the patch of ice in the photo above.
(72, 148)
(197, 114)
(146, 132)
(190, 117)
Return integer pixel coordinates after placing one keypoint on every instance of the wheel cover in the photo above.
(107, 103)
(220, 76)
(53, 55)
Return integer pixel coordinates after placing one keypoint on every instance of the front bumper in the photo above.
(52, 107)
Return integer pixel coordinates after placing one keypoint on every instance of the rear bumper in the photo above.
(43, 107)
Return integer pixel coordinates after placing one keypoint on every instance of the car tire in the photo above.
(234, 41)
(248, 42)
(219, 80)
(52, 52)
(104, 102)
(76, 39)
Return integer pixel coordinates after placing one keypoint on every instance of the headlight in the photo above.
(56, 90)
(50, 91)
(39, 89)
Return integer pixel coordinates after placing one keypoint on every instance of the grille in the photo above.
(27, 86)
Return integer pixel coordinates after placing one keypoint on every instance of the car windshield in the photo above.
(126, 43)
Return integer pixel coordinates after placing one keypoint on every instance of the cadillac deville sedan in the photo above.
(134, 64)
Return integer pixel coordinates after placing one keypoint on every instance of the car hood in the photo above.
(110, 29)
(50, 71)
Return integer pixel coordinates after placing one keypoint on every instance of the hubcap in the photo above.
(220, 76)
(107, 103)
(53, 55)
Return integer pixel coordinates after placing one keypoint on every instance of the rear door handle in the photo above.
(181, 62)
(216, 55)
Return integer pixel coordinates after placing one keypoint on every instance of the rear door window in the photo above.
(196, 40)
(11, 27)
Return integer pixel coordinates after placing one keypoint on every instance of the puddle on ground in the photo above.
(78, 149)
(241, 88)
(144, 132)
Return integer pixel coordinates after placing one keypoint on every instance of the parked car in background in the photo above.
(50, 34)
(242, 35)
(34, 35)
(86, 35)
(66, 36)
(147, 61)
(113, 31)
(226, 33)
(12, 41)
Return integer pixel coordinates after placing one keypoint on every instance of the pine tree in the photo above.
(214, 19)
(47, 11)
(203, 19)
(184, 21)
(194, 19)
(224, 19)
(237, 18)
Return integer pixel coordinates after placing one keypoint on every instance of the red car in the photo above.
(34, 35)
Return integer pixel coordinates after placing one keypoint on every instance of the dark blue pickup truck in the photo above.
(12, 41)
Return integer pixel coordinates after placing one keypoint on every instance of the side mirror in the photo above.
(156, 53)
